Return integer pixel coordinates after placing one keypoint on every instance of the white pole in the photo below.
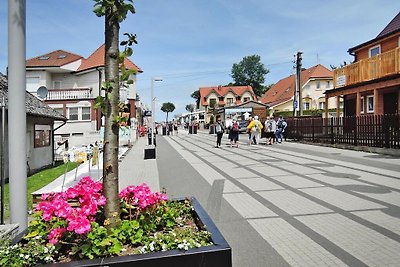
(152, 112)
(17, 113)
(153, 107)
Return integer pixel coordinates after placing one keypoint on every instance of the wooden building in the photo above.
(371, 84)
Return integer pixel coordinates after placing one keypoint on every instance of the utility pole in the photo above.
(298, 82)
(295, 96)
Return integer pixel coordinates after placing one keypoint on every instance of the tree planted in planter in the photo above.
(114, 12)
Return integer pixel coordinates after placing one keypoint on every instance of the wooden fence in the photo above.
(370, 130)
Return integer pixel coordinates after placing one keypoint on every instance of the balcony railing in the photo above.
(376, 67)
(66, 94)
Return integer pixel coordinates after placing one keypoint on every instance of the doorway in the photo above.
(391, 103)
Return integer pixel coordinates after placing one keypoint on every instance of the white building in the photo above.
(73, 84)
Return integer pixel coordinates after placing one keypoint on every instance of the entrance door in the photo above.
(390, 103)
(349, 107)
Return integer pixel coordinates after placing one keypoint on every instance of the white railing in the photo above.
(63, 94)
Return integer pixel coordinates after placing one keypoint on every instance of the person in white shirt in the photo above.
(270, 129)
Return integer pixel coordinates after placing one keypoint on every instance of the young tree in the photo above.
(114, 11)
(167, 107)
(250, 71)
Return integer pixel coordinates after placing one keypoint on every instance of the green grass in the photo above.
(35, 182)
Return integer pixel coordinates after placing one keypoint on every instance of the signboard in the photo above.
(237, 110)
(341, 80)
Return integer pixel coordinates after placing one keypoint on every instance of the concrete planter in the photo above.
(217, 255)
(8, 231)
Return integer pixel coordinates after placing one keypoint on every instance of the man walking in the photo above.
(280, 129)
(219, 129)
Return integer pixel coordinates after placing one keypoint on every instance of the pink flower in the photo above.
(141, 195)
(55, 235)
(79, 224)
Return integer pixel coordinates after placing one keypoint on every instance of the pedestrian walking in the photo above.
(255, 128)
(270, 129)
(234, 133)
(219, 129)
(281, 125)
(249, 120)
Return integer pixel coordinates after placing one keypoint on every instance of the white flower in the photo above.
(26, 257)
(151, 245)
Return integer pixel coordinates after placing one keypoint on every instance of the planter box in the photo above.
(150, 152)
(217, 255)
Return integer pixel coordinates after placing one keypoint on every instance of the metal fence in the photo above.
(368, 130)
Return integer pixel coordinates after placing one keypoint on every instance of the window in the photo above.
(370, 103)
(373, 51)
(306, 106)
(86, 113)
(57, 84)
(32, 84)
(229, 100)
(59, 110)
(328, 84)
(213, 102)
(73, 114)
(362, 102)
(42, 135)
(245, 99)
(321, 105)
(318, 85)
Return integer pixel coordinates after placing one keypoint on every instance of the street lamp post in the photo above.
(153, 107)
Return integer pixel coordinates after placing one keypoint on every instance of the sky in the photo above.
(194, 43)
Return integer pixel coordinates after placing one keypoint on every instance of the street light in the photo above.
(153, 106)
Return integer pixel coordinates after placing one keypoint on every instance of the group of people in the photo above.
(274, 130)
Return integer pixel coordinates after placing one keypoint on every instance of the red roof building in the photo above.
(224, 96)
(73, 83)
(314, 82)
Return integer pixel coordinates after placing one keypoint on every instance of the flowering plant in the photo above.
(70, 225)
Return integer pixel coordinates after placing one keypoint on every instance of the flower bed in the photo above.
(61, 232)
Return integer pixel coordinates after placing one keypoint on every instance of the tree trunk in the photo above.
(111, 133)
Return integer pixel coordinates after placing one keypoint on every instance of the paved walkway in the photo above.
(282, 205)
(291, 204)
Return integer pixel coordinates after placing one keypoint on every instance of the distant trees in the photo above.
(196, 95)
(250, 71)
(189, 107)
(167, 108)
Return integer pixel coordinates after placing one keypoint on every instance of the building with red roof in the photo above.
(214, 97)
(314, 82)
(371, 84)
(73, 83)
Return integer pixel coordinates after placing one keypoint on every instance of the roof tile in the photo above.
(96, 59)
(56, 58)
(283, 90)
